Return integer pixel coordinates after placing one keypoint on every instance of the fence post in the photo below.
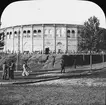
(90, 60)
(103, 58)
(83, 58)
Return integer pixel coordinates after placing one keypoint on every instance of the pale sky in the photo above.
(51, 11)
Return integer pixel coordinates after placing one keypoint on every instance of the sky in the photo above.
(51, 11)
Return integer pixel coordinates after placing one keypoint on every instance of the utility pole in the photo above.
(18, 53)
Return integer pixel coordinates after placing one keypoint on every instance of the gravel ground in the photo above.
(79, 91)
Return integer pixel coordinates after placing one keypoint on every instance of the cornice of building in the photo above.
(51, 24)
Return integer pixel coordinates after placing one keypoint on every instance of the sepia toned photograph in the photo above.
(53, 52)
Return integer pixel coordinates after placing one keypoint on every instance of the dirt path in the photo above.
(77, 81)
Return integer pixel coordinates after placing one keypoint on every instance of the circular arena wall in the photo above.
(38, 37)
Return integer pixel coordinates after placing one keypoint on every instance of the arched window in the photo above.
(24, 31)
(59, 43)
(15, 32)
(28, 35)
(34, 31)
(8, 36)
(7, 33)
(73, 32)
(10, 33)
(39, 31)
(68, 31)
(28, 31)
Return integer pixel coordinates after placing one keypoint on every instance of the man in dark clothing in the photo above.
(12, 68)
(53, 61)
(4, 74)
(8, 71)
(62, 66)
(75, 61)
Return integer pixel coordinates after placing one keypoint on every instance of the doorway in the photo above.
(47, 50)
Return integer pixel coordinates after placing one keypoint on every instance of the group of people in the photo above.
(63, 64)
(8, 70)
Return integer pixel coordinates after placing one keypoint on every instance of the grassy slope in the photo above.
(35, 62)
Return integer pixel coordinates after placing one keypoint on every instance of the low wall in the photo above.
(83, 59)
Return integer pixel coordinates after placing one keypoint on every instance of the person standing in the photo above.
(12, 68)
(53, 61)
(4, 74)
(8, 70)
(75, 61)
(25, 72)
(62, 66)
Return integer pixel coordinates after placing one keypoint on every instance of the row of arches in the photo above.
(26, 33)
(39, 31)
(73, 31)
(69, 31)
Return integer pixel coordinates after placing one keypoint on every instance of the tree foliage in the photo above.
(1, 39)
(92, 38)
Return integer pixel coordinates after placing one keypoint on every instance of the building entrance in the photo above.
(47, 50)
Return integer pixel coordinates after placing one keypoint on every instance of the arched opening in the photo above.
(59, 43)
(24, 31)
(10, 33)
(73, 32)
(47, 50)
(68, 33)
(7, 33)
(39, 31)
(28, 31)
(15, 32)
(34, 31)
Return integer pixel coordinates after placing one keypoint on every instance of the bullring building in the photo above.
(38, 37)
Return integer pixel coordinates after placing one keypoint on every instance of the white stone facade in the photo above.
(38, 37)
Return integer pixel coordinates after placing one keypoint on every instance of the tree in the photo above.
(1, 39)
(92, 39)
